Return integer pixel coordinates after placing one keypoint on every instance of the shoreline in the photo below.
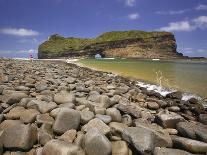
(143, 83)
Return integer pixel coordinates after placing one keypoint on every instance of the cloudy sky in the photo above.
(24, 24)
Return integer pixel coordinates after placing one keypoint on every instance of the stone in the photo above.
(23, 102)
(98, 124)
(40, 86)
(22, 88)
(169, 151)
(19, 137)
(174, 109)
(66, 119)
(126, 119)
(79, 139)
(100, 110)
(42, 106)
(56, 111)
(130, 109)
(152, 105)
(203, 118)
(96, 143)
(146, 137)
(6, 124)
(86, 116)
(105, 118)
(14, 113)
(16, 97)
(58, 147)
(64, 97)
(70, 80)
(114, 113)
(119, 148)
(29, 115)
(189, 145)
(171, 131)
(103, 101)
(117, 128)
(44, 137)
(69, 136)
(44, 119)
(168, 119)
(193, 130)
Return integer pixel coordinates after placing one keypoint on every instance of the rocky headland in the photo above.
(122, 44)
(54, 108)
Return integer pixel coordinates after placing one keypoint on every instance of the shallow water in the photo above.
(185, 75)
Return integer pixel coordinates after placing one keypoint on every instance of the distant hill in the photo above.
(127, 44)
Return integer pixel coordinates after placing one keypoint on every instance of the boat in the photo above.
(155, 59)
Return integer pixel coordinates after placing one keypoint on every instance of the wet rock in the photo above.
(169, 151)
(58, 147)
(95, 139)
(114, 113)
(119, 148)
(168, 119)
(174, 109)
(69, 136)
(64, 97)
(66, 120)
(190, 145)
(16, 97)
(19, 137)
(175, 95)
(86, 116)
(105, 118)
(29, 115)
(153, 105)
(98, 124)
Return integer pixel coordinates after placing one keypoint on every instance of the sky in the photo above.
(24, 24)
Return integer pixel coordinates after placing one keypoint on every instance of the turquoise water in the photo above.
(185, 75)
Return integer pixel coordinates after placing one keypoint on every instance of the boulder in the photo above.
(44, 119)
(64, 97)
(29, 115)
(96, 143)
(105, 118)
(6, 124)
(169, 151)
(16, 97)
(152, 105)
(119, 148)
(14, 113)
(58, 147)
(203, 118)
(146, 138)
(56, 111)
(40, 86)
(103, 101)
(117, 128)
(66, 119)
(42, 106)
(168, 119)
(98, 124)
(114, 113)
(86, 116)
(44, 137)
(126, 119)
(190, 145)
(175, 95)
(99, 110)
(22, 88)
(69, 136)
(19, 137)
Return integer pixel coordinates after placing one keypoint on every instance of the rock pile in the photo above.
(52, 108)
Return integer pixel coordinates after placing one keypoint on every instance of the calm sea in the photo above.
(185, 75)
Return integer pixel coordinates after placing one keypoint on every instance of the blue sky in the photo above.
(24, 24)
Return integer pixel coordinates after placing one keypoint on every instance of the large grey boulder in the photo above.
(190, 145)
(6, 124)
(19, 137)
(203, 118)
(58, 147)
(29, 115)
(169, 151)
(146, 138)
(86, 116)
(105, 118)
(103, 101)
(96, 143)
(64, 97)
(168, 119)
(14, 113)
(98, 124)
(66, 119)
(42, 106)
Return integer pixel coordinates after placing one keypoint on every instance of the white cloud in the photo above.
(197, 23)
(133, 16)
(178, 26)
(22, 32)
(130, 3)
(201, 7)
(172, 12)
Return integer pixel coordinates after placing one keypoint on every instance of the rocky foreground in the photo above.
(53, 108)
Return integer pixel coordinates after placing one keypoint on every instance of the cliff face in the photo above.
(128, 44)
